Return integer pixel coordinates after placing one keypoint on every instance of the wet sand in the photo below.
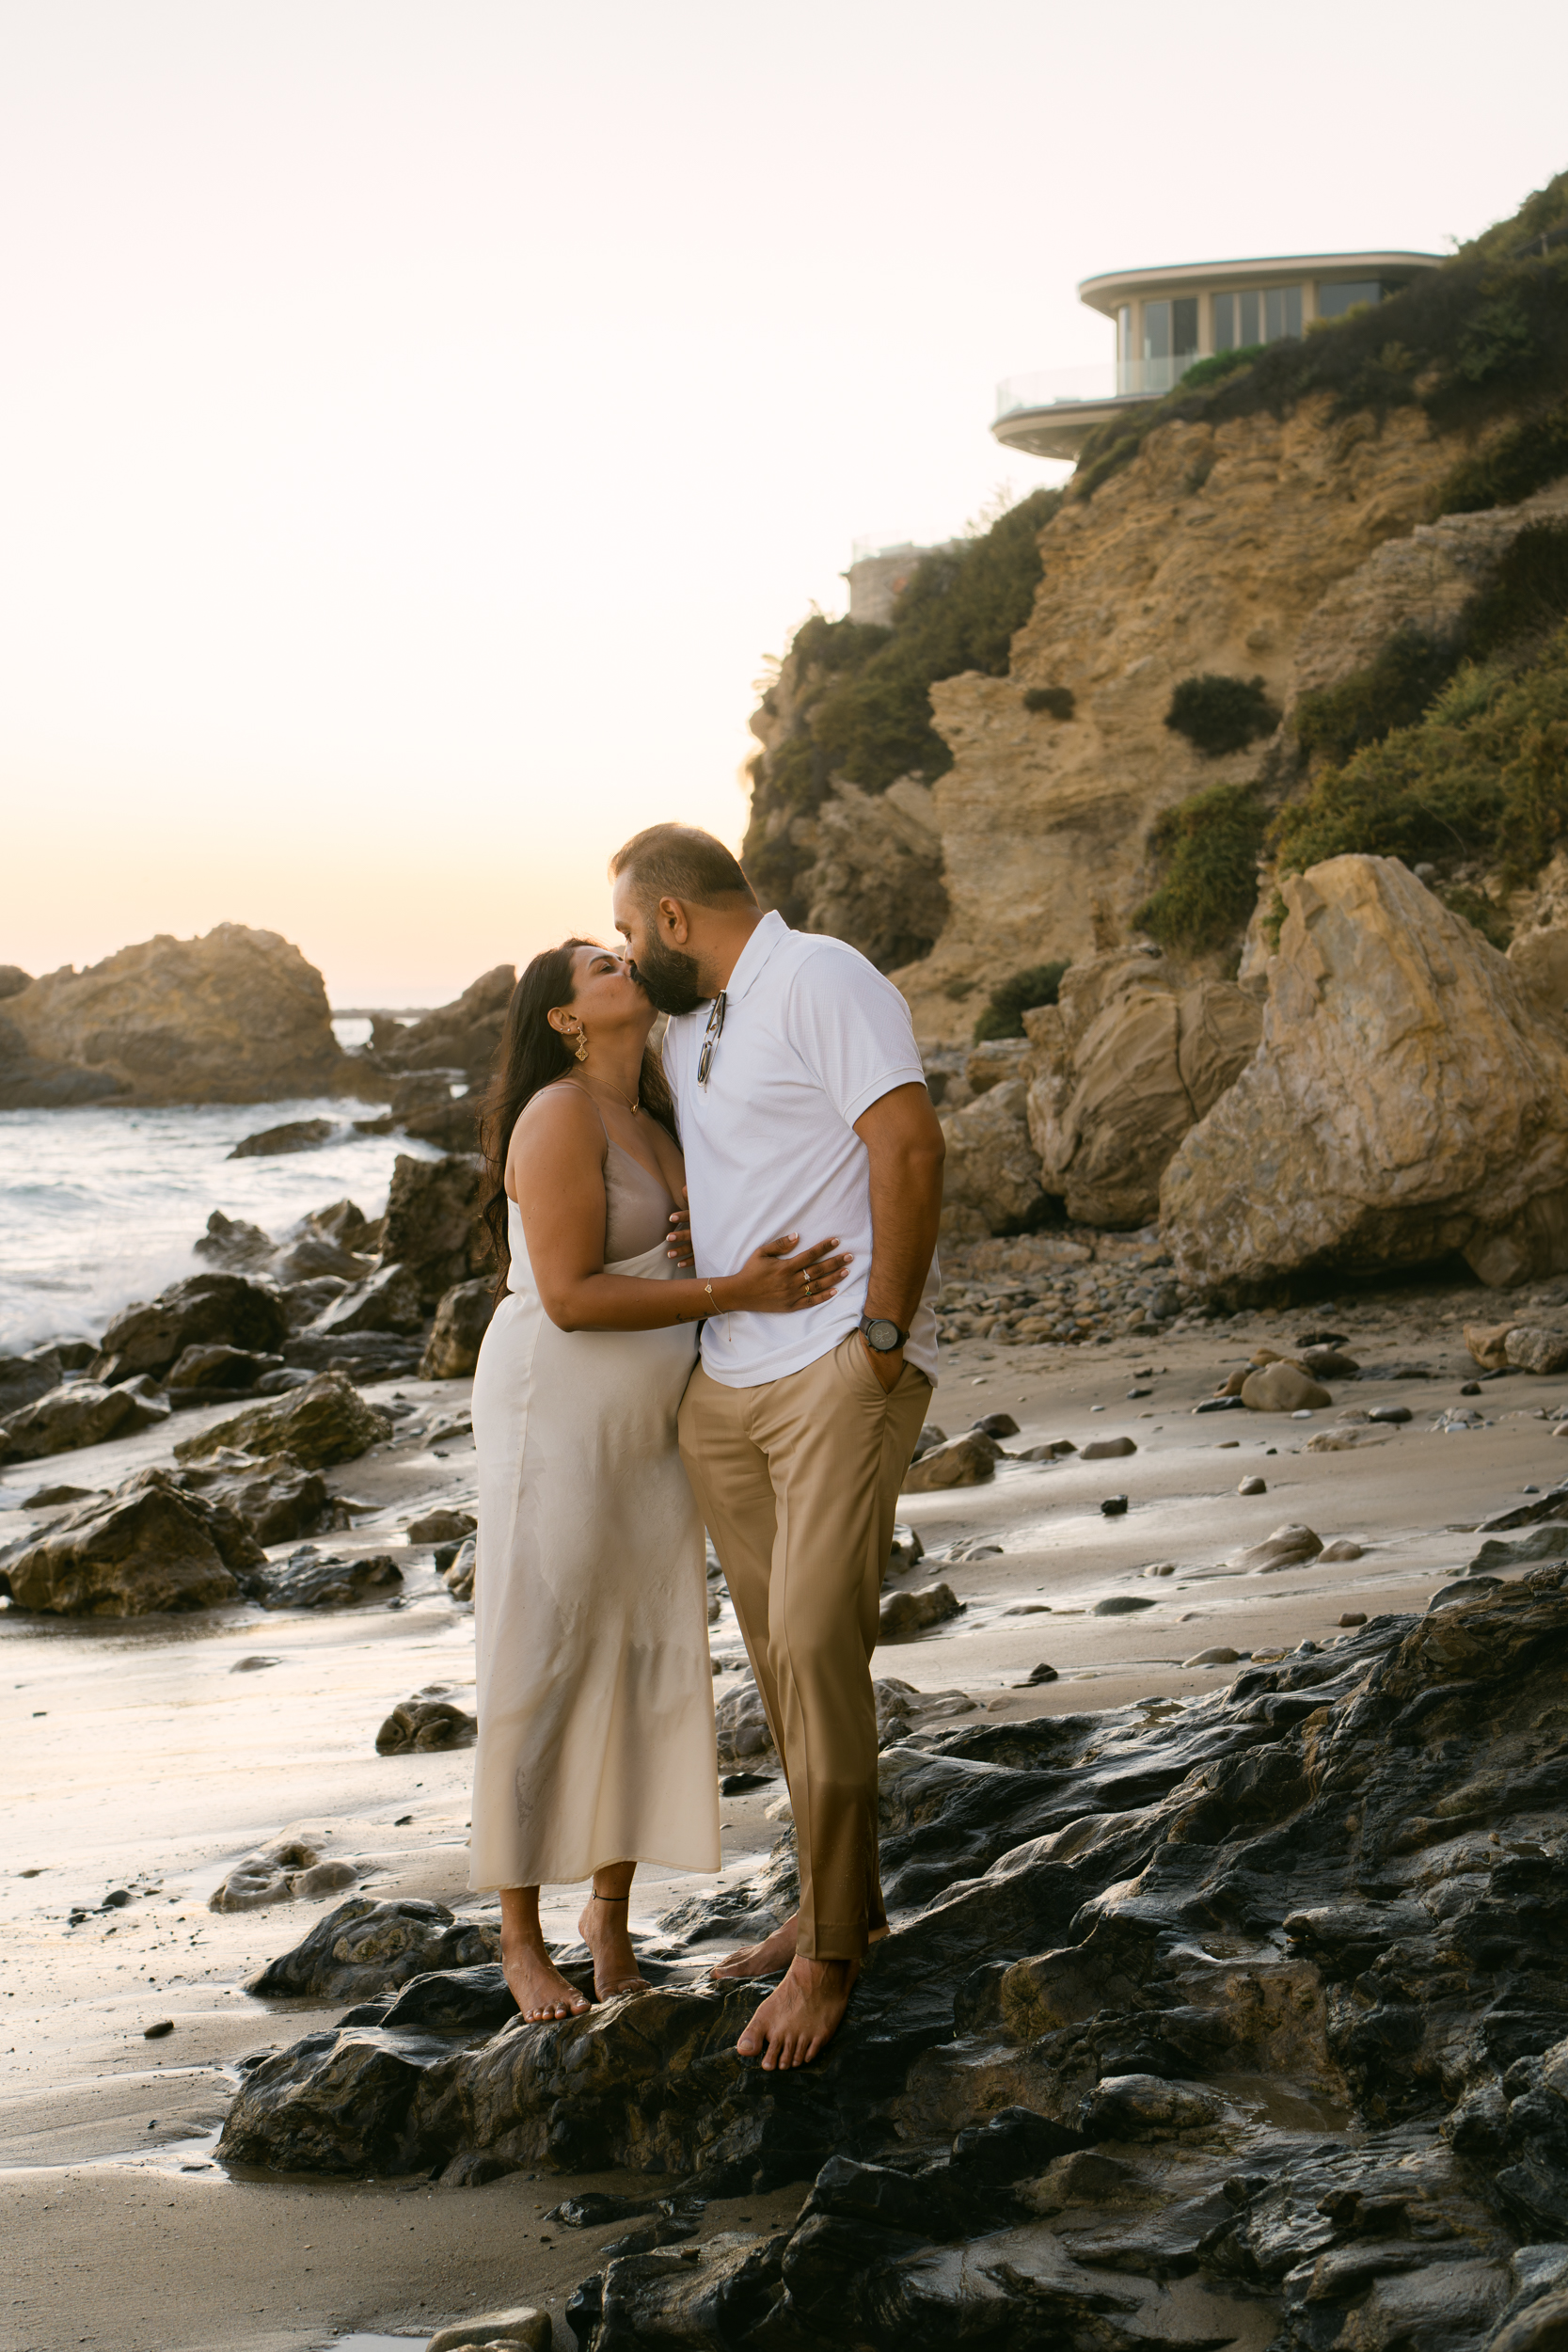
(140, 1760)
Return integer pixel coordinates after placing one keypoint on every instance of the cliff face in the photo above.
(1211, 552)
(237, 1016)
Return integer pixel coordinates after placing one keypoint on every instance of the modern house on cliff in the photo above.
(1167, 319)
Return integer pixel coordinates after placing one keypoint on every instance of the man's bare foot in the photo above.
(802, 2016)
(603, 1927)
(771, 1957)
(537, 1985)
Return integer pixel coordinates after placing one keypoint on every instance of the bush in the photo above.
(1482, 777)
(1058, 700)
(1004, 1014)
(1519, 462)
(1223, 363)
(1391, 691)
(1219, 714)
(1208, 848)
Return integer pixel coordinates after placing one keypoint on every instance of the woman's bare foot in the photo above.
(771, 1957)
(537, 1985)
(603, 1927)
(801, 2015)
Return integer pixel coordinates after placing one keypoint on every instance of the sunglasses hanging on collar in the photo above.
(715, 1031)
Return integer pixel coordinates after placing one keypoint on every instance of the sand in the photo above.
(138, 1760)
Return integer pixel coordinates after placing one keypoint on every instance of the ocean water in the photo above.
(100, 1206)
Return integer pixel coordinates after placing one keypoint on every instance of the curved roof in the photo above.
(1103, 292)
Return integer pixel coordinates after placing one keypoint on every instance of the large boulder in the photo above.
(238, 1016)
(992, 1170)
(325, 1422)
(877, 878)
(1123, 1065)
(433, 1225)
(1410, 1100)
(22, 1378)
(278, 1500)
(463, 1036)
(83, 1412)
(365, 1947)
(147, 1547)
(385, 1301)
(1539, 947)
(462, 1319)
(205, 1310)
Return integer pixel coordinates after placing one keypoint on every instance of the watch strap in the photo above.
(866, 1324)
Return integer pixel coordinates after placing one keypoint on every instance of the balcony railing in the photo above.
(1122, 379)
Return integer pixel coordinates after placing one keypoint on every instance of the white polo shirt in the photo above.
(812, 1036)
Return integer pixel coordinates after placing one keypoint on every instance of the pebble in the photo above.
(1220, 1657)
(1121, 1604)
(1037, 1675)
(1353, 1616)
(156, 2033)
(1253, 1487)
(1342, 1547)
(1114, 1507)
(1107, 1449)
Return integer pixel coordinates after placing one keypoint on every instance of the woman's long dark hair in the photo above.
(533, 1055)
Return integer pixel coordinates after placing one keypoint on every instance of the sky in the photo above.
(421, 420)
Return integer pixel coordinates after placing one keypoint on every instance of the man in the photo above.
(803, 1107)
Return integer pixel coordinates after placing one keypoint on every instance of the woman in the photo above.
(595, 1691)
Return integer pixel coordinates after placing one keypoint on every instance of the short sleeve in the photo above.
(853, 1030)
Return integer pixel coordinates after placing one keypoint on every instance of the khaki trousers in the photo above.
(798, 1483)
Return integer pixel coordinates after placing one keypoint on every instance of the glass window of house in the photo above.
(1334, 301)
(1124, 331)
(1281, 313)
(1156, 330)
(1183, 314)
(1225, 322)
(1247, 308)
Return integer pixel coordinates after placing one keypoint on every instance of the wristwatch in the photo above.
(882, 1334)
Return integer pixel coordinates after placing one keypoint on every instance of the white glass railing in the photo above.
(1121, 379)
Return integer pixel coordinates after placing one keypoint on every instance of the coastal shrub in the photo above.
(1219, 714)
(1221, 364)
(1391, 691)
(1058, 700)
(1003, 1013)
(861, 697)
(1482, 776)
(1206, 850)
(1519, 462)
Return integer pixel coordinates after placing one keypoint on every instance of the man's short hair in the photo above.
(680, 862)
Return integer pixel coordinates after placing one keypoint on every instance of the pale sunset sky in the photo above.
(422, 420)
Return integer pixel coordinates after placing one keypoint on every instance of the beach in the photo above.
(149, 1756)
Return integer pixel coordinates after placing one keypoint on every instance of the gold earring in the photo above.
(580, 1048)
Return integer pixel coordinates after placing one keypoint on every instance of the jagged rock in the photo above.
(238, 1016)
(463, 1036)
(877, 876)
(303, 1301)
(462, 1319)
(1409, 1099)
(365, 1947)
(996, 1058)
(519, 2330)
(991, 1169)
(966, 1461)
(357, 1354)
(328, 1422)
(1282, 1388)
(24, 1378)
(205, 1310)
(1121, 1067)
(1265, 1942)
(388, 1300)
(298, 1135)
(1539, 947)
(458, 1576)
(150, 1405)
(315, 1255)
(440, 1526)
(426, 1722)
(433, 1226)
(906, 1614)
(741, 1723)
(308, 1578)
(147, 1547)
(230, 1242)
(277, 1499)
(215, 1366)
(1529, 1350)
(1488, 1343)
(278, 1874)
(83, 1412)
(452, 1127)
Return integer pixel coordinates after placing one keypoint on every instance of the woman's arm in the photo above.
(555, 1172)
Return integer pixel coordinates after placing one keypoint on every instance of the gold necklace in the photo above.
(633, 1103)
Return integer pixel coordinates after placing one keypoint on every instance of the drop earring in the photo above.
(580, 1047)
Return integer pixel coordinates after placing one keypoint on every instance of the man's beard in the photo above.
(669, 979)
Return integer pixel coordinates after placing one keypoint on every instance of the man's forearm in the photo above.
(905, 1206)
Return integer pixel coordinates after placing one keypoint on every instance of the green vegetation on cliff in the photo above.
(1003, 1013)
(1206, 848)
(860, 695)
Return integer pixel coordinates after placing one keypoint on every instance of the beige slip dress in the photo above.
(596, 1689)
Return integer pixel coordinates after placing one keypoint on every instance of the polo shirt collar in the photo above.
(754, 954)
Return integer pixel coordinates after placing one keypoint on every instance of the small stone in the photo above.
(156, 2032)
(519, 2330)
(1121, 1604)
(1342, 1547)
(907, 1615)
(1289, 1546)
(1471, 1387)
(1133, 2107)
(1039, 1675)
(967, 1461)
(1114, 1507)
(930, 1436)
(1052, 1449)
(1353, 1616)
(1218, 1656)
(1253, 1487)
(424, 1722)
(1132, 1392)
(737, 1784)
(996, 1426)
(1391, 1413)
(1536, 1351)
(1107, 1449)
(1220, 1405)
(1282, 1388)
(440, 1527)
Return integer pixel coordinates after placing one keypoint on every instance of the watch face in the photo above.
(883, 1336)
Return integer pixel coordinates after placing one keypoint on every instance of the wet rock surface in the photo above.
(309, 1579)
(364, 1947)
(1243, 2024)
(427, 1721)
(147, 1548)
(325, 1423)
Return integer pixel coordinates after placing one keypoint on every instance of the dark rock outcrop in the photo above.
(83, 1412)
(308, 1578)
(433, 1227)
(462, 1319)
(203, 1311)
(366, 1947)
(1243, 2021)
(427, 1722)
(278, 1501)
(149, 1547)
(296, 1134)
(325, 1422)
(461, 1037)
